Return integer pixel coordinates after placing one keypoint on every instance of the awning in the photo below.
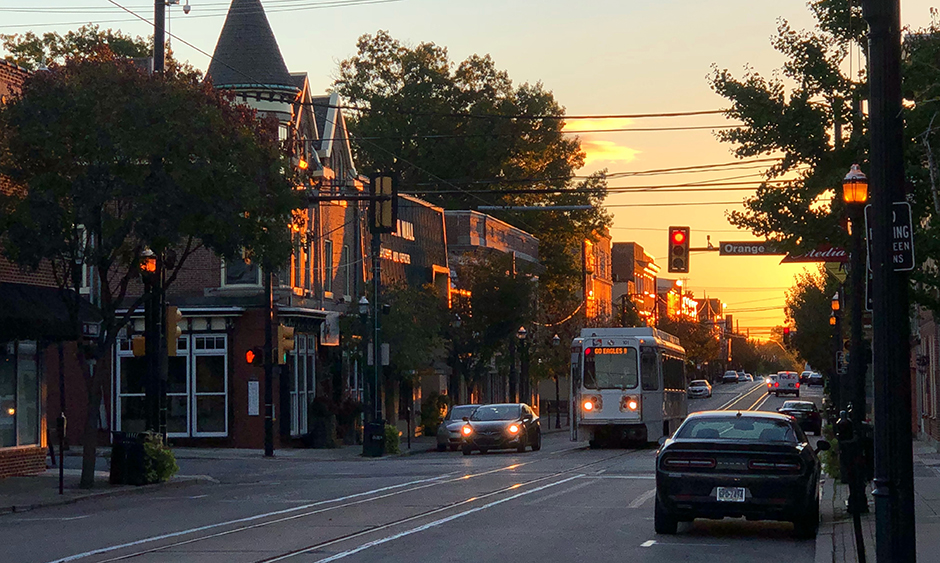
(31, 312)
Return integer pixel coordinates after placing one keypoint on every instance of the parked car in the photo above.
(719, 464)
(771, 379)
(730, 377)
(805, 413)
(448, 433)
(742, 378)
(699, 388)
(493, 427)
(804, 376)
(786, 382)
(815, 379)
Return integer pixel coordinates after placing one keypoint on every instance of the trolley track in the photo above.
(759, 391)
(319, 508)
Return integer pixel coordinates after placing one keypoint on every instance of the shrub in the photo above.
(159, 461)
(392, 440)
(830, 458)
(433, 409)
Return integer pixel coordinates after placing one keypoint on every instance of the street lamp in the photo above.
(363, 308)
(556, 341)
(855, 187)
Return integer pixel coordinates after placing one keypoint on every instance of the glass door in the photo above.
(210, 386)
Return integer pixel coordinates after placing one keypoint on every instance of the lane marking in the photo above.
(648, 543)
(559, 493)
(436, 523)
(638, 501)
(739, 398)
(50, 519)
(238, 521)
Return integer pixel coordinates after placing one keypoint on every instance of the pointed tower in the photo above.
(247, 60)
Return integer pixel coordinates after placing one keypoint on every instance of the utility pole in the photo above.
(159, 36)
(268, 363)
(894, 472)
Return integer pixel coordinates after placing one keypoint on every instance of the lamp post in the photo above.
(523, 365)
(149, 267)
(556, 340)
(855, 195)
(835, 321)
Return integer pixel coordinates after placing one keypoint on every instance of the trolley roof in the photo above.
(614, 336)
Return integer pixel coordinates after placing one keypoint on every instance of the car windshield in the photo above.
(496, 412)
(698, 383)
(737, 428)
(457, 413)
(799, 406)
(610, 368)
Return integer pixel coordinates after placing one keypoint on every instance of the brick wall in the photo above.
(26, 460)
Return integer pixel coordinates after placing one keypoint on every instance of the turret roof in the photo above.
(247, 53)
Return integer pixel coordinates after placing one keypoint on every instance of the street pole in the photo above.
(159, 35)
(894, 472)
(268, 363)
(857, 359)
(376, 324)
(513, 385)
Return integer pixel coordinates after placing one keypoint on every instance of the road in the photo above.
(563, 503)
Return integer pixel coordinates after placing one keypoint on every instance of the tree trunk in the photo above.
(90, 435)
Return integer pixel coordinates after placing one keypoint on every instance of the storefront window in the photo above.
(19, 394)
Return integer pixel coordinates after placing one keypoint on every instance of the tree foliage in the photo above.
(699, 339)
(808, 307)
(454, 135)
(32, 52)
(109, 161)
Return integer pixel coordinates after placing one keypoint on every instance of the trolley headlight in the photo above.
(513, 428)
(592, 403)
(630, 403)
(466, 430)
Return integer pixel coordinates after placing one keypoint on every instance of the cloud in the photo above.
(606, 151)
(593, 124)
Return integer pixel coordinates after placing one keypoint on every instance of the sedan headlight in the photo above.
(466, 430)
(513, 428)
(592, 403)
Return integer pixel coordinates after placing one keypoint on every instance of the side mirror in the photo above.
(662, 440)
(466, 419)
(822, 446)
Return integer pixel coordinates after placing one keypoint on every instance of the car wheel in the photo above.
(593, 444)
(663, 521)
(467, 450)
(441, 447)
(538, 441)
(522, 443)
(805, 527)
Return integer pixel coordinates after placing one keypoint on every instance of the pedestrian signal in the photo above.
(285, 342)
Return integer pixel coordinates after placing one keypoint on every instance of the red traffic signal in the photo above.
(254, 356)
(678, 259)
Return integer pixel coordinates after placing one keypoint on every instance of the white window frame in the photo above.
(258, 283)
(195, 394)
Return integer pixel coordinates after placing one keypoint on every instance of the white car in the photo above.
(786, 382)
(699, 388)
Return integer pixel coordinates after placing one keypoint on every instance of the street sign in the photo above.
(837, 269)
(748, 248)
(902, 236)
(91, 328)
(841, 363)
(823, 253)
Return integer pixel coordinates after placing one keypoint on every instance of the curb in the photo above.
(825, 540)
(173, 483)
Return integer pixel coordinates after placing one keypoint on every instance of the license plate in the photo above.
(730, 494)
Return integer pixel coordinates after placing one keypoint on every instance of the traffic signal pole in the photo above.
(894, 471)
(268, 364)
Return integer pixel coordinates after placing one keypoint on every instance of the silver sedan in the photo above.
(448, 433)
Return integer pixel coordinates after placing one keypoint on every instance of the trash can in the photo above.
(374, 439)
(127, 459)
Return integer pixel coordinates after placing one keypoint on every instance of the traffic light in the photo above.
(173, 332)
(383, 213)
(255, 356)
(678, 250)
(285, 342)
(786, 336)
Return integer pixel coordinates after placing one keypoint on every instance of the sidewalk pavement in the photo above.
(836, 540)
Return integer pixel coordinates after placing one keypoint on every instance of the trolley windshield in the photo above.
(610, 368)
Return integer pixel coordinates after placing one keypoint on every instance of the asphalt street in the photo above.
(563, 503)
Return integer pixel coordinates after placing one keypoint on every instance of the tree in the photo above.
(809, 307)
(460, 135)
(699, 339)
(32, 52)
(414, 330)
(110, 161)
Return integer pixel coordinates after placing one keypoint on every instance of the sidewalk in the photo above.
(836, 540)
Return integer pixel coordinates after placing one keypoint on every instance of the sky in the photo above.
(598, 57)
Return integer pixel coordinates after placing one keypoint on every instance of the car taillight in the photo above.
(797, 384)
(776, 384)
(689, 463)
(764, 465)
